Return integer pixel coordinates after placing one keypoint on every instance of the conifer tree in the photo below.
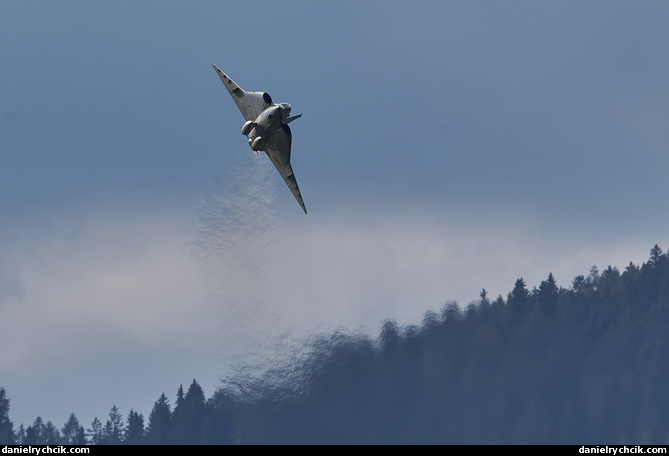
(113, 434)
(188, 415)
(655, 255)
(195, 406)
(180, 399)
(484, 302)
(179, 417)
(35, 432)
(518, 300)
(6, 426)
(96, 432)
(134, 431)
(217, 425)
(20, 435)
(50, 434)
(159, 428)
(72, 432)
(548, 295)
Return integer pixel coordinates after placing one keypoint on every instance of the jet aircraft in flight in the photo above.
(267, 128)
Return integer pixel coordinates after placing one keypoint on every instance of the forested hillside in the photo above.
(583, 364)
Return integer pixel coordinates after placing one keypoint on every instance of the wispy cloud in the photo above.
(128, 277)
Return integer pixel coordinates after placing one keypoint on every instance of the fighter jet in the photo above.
(266, 128)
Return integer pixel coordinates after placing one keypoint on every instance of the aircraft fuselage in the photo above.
(269, 121)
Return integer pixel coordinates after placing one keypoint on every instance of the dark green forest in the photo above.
(587, 364)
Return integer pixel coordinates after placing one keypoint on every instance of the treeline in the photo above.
(584, 364)
(183, 425)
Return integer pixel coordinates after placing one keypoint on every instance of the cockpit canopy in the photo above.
(285, 110)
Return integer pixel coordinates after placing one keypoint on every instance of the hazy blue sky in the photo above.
(445, 147)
